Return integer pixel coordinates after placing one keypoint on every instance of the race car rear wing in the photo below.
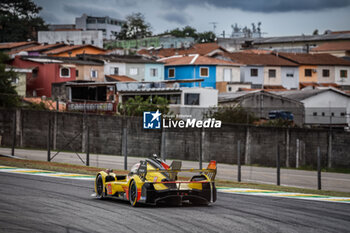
(173, 171)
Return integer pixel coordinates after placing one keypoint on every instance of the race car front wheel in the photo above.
(133, 193)
(99, 187)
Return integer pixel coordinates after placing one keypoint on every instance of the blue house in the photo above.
(193, 70)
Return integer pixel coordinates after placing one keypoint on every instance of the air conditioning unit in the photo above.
(176, 85)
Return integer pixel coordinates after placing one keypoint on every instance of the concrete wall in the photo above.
(338, 79)
(288, 81)
(140, 75)
(247, 78)
(273, 81)
(228, 74)
(330, 78)
(69, 37)
(258, 144)
(159, 74)
(109, 68)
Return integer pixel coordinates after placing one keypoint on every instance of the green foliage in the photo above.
(206, 37)
(188, 31)
(231, 115)
(136, 106)
(135, 27)
(278, 123)
(19, 20)
(8, 94)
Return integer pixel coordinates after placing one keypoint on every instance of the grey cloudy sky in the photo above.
(278, 17)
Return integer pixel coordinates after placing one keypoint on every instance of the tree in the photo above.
(187, 31)
(19, 20)
(315, 32)
(8, 94)
(136, 106)
(135, 27)
(206, 37)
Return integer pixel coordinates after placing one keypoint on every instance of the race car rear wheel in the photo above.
(133, 193)
(99, 187)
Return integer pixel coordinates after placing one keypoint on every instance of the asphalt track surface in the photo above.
(43, 204)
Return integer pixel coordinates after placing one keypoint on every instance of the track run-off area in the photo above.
(256, 192)
(35, 200)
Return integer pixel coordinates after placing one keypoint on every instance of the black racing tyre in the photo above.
(133, 193)
(99, 187)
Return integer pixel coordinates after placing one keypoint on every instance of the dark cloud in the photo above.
(263, 6)
(78, 10)
(174, 17)
(126, 3)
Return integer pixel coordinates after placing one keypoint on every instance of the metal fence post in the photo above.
(88, 147)
(239, 161)
(201, 148)
(278, 165)
(14, 122)
(318, 168)
(49, 142)
(125, 148)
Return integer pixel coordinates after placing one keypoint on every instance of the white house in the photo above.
(326, 106)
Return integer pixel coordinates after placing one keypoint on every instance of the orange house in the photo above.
(307, 73)
(74, 50)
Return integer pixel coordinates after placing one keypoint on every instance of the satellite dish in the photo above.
(176, 85)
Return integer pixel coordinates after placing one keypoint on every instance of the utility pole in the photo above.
(214, 26)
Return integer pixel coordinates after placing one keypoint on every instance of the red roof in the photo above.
(314, 59)
(258, 59)
(194, 60)
(313, 84)
(256, 51)
(12, 45)
(201, 49)
(121, 78)
(39, 48)
(333, 46)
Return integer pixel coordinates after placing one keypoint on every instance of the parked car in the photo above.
(281, 114)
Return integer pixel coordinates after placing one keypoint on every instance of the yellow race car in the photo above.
(152, 181)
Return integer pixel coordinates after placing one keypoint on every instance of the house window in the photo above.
(229, 88)
(323, 114)
(133, 71)
(154, 72)
(227, 75)
(254, 72)
(308, 72)
(325, 73)
(35, 73)
(342, 114)
(175, 99)
(314, 113)
(272, 73)
(290, 75)
(65, 72)
(204, 72)
(171, 73)
(115, 70)
(92, 42)
(83, 41)
(343, 73)
(14, 80)
(77, 73)
(191, 99)
(94, 73)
